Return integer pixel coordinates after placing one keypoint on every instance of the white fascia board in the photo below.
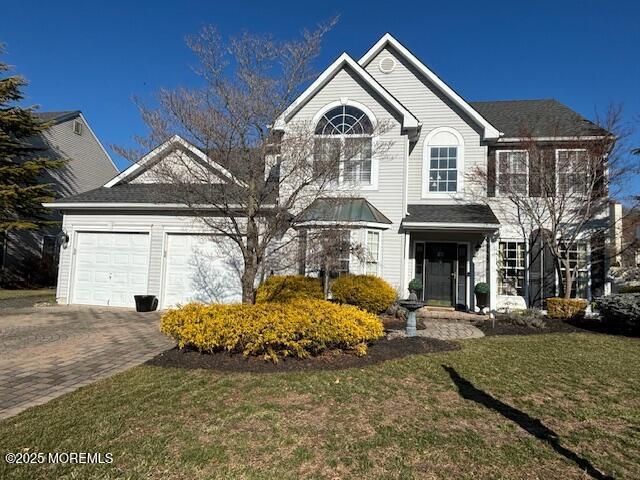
(489, 131)
(409, 121)
(551, 139)
(141, 164)
(136, 206)
(450, 226)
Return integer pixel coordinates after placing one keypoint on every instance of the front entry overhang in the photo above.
(473, 217)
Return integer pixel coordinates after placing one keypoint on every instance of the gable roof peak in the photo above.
(410, 122)
(490, 132)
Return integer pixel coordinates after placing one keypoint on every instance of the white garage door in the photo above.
(201, 268)
(110, 268)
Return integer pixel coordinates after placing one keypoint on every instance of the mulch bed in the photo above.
(553, 325)
(332, 360)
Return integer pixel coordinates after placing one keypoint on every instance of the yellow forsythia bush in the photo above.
(298, 329)
(284, 288)
(368, 292)
(566, 308)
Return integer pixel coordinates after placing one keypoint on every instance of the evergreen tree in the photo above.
(21, 166)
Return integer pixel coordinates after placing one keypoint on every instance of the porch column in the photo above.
(404, 281)
(492, 274)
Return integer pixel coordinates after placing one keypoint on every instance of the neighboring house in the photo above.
(414, 212)
(31, 257)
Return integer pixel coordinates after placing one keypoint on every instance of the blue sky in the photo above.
(95, 56)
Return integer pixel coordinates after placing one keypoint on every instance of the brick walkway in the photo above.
(46, 352)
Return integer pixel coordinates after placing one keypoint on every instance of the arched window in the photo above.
(343, 145)
(443, 157)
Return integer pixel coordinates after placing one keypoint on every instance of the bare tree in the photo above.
(560, 190)
(329, 251)
(254, 180)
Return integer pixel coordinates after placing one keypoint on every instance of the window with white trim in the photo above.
(373, 253)
(573, 171)
(344, 253)
(512, 172)
(343, 144)
(578, 256)
(443, 169)
(443, 162)
(511, 268)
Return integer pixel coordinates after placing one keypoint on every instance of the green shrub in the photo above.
(273, 330)
(620, 311)
(630, 289)
(481, 287)
(415, 284)
(368, 292)
(284, 288)
(566, 308)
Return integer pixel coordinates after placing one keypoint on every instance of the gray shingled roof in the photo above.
(342, 210)
(57, 117)
(158, 193)
(469, 213)
(537, 118)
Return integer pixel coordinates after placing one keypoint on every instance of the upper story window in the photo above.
(573, 171)
(512, 172)
(443, 158)
(443, 169)
(77, 127)
(343, 144)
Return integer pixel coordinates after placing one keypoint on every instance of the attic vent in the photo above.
(77, 127)
(387, 64)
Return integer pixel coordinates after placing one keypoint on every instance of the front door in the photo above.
(440, 273)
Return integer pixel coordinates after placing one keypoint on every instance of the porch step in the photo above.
(443, 315)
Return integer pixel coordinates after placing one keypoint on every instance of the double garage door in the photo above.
(111, 267)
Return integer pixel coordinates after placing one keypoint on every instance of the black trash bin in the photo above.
(146, 303)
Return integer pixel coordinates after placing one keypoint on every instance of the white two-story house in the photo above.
(415, 210)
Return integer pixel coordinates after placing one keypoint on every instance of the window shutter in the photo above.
(598, 277)
(535, 174)
(549, 179)
(491, 173)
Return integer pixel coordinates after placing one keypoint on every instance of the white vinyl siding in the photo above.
(388, 173)
(433, 111)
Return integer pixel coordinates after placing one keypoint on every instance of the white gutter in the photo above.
(450, 226)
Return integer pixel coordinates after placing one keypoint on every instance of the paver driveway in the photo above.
(45, 352)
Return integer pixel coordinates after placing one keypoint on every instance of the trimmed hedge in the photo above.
(284, 288)
(566, 308)
(272, 330)
(630, 289)
(621, 311)
(368, 292)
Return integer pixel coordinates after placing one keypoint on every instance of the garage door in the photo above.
(110, 268)
(201, 268)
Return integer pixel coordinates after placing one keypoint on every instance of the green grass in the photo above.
(577, 398)
(40, 292)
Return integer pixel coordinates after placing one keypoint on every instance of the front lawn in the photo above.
(542, 406)
(40, 292)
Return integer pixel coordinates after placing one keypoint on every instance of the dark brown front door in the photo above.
(439, 273)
